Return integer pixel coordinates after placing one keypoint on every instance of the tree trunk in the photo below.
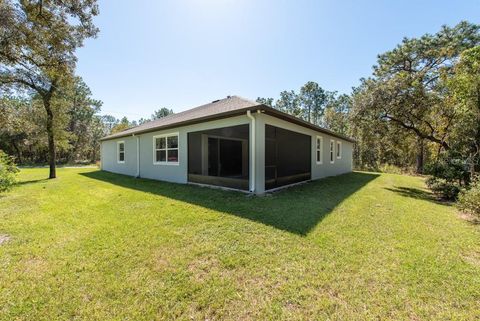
(420, 156)
(71, 157)
(19, 152)
(472, 165)
(94, 155)
(51, 139)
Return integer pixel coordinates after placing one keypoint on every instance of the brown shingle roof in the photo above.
(213, 109)
(227, 107)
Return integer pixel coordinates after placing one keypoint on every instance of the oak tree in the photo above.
(38, 40)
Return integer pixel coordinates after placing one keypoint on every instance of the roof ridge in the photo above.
(246, 99)
(159, 121)
(175, 115)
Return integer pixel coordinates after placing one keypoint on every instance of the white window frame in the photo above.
(118, 152)
(339, 149)
(319, 149)
(332, 151)
(166, 162)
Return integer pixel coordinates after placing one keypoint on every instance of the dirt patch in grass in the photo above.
(4, 238)
(472, 258)
(35, 266)
(163, 260)
(204, 267)
(469, 217)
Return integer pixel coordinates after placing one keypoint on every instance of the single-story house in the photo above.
(232, 142)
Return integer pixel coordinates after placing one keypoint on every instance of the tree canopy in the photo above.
(421, 104)
(410, 90)
(37, 53)
(314, 104)
(162, 112)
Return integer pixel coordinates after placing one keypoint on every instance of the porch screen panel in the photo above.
(287, 157)
(219, 157)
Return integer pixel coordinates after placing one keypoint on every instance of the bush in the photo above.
(8, 171)
(394, 169)
(391, 169)
(445, 189)
(449, 170)
(469, 199)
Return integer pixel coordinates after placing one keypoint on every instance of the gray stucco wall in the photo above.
(167, 172)
(179, 173)
(109, 154)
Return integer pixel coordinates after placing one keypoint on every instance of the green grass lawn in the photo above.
(96, 245)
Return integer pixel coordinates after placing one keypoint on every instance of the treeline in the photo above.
(419, 110)
(47, 113)
(46, 110)
(315, 105)
(39, 40)
(78, 127)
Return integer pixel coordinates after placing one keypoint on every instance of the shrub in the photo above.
(8, 171)
(445, 189)
(449, 170)
(469, 199)
(391, 169)
(450, 174)
(394, 169)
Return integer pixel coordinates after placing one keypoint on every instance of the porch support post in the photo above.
(252, 141)
(259, 153)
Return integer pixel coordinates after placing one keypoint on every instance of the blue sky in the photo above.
(183, 53)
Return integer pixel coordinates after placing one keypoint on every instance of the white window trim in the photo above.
(332, 151)
(166, 149)
(118, 152)
(319, 162)
(339, 149)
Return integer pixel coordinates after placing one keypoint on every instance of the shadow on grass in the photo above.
(417, 194)
(296, 210)
(33, 181)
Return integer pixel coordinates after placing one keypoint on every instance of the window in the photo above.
(339, 150)
(319, 149)
(165, 149)
(121, 152)
(332, 151)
